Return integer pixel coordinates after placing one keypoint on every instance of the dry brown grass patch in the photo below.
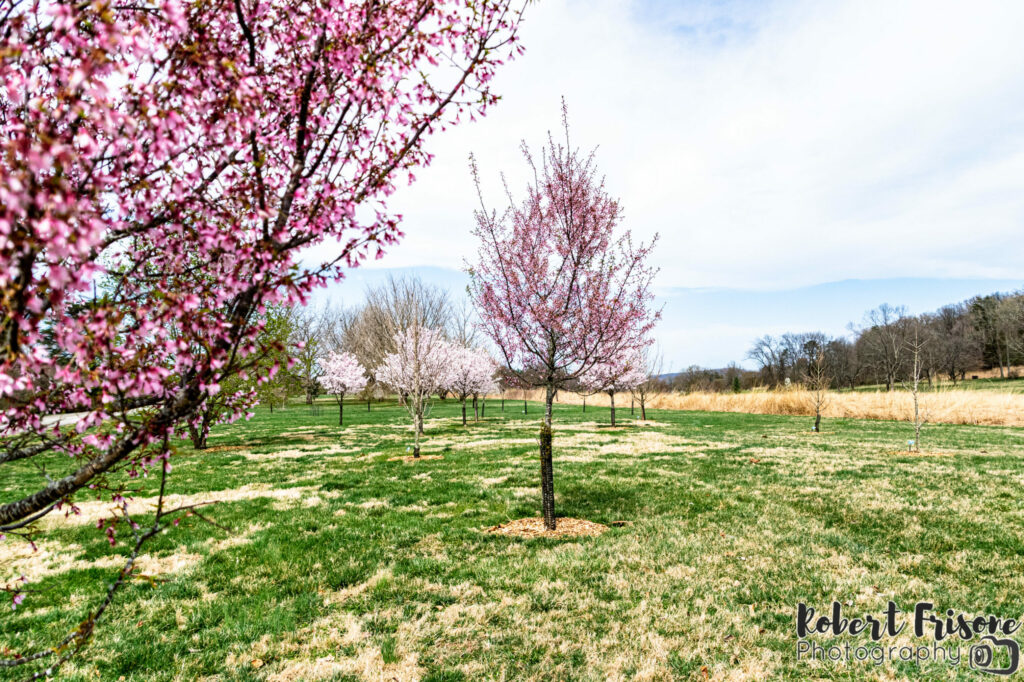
(946, 405)
(923, 453)
(92, 511)
(533, 527)
(222, 448)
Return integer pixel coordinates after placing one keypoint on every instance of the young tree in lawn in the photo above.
(556, 290)
(916, 347)
(818, 380)
(472, 372)
(622, 373)
(485, 386)
(653, 365)
(583, 389)
(191, 151)
(342, 374)
(421, 365)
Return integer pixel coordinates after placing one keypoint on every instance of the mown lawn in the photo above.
(343, 564)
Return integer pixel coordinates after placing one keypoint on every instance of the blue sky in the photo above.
(801, 161)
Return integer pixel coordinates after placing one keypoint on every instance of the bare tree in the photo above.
(884, 341)
(1009, 324)
(394, 306)
(986, 318)
(957, 344)
(916, 349)
(818, 380)
(770, 355)
(463, 325)
(841, 357)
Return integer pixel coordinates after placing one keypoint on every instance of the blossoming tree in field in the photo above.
(486, 386)
(342, 374)
(420, 367)
(622, 373)
(177, 156)
(556, 290)
(651, 364)
(472, 375)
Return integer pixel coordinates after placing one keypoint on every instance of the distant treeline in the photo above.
(982, 333)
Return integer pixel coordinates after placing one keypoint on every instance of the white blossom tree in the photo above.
(420, 367)
(342, 374)
(472, 375)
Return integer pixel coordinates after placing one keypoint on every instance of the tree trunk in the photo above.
(271, 407)
(418, 428)
(502, 403)
(463, 412)
(483, 407)
(917, 423)
(198, 437)
(643, 411)
(341, 410)
(584, 404)
(367, 404)
(547, 477)
(524, 407)
(817, 421)
(611, 394)
(476, 410)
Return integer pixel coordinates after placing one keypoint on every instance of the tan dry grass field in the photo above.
(947, 406)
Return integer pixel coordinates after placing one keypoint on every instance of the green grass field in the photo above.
(346, 565)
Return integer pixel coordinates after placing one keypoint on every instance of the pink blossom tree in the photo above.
(342, 374)
(557, 291)
(420, 367)
(175, 157)
(472, 375)
(622, 373)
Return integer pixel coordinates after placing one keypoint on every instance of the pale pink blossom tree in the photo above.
(342, 374)
(472, 375)
(556, 290)
(622, 373)
(164, 162)
(420, 367)
(485, 387)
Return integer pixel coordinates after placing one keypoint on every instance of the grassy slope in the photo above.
(378, 568)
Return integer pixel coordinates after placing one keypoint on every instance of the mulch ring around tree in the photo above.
(411, 458)
(533, 527)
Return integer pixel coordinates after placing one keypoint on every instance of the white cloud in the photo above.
(777, 147)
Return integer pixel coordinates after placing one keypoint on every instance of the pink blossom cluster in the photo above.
(624, 372)
(165, 162)
(557, 291)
